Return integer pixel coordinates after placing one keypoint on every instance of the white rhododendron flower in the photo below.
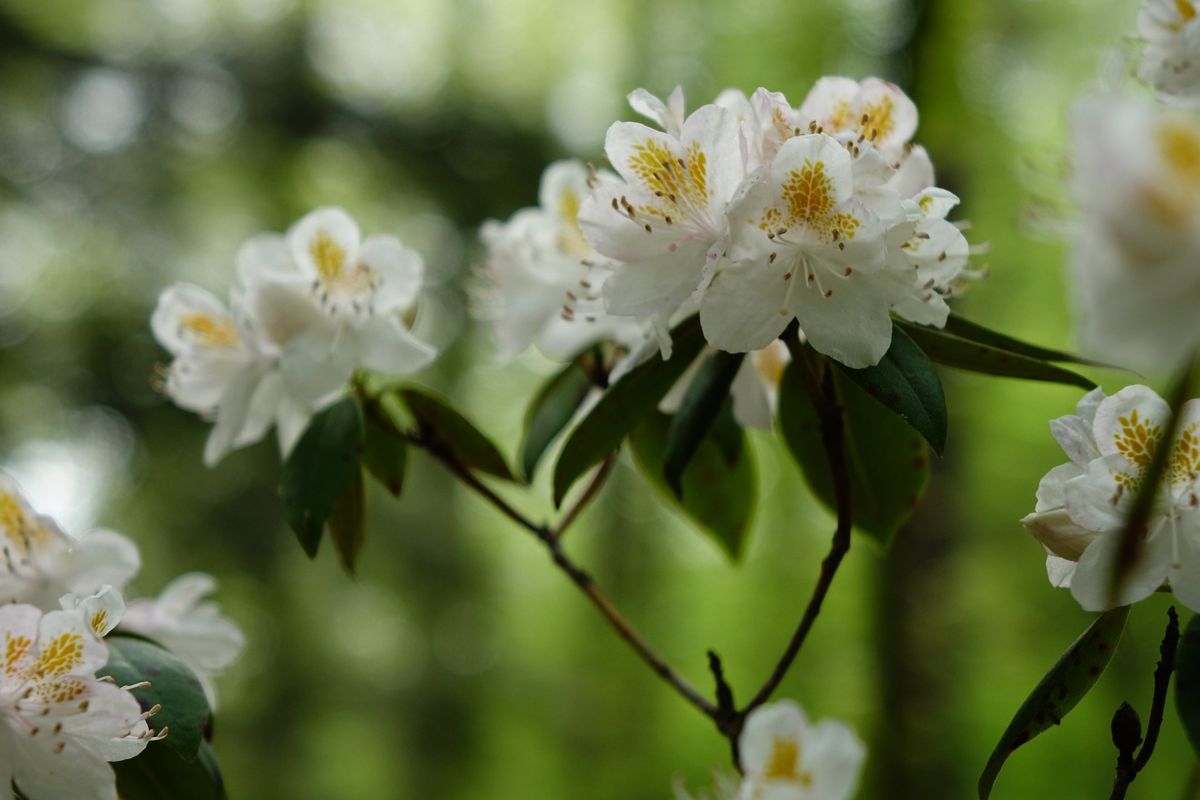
(59, 725)
(786, 758)
(541, 282)
(1171, 59)
(1137, 182)
(103, 610)
(41, 563)
(664, 220)
(1082, 505)
(190, 627)
(309, 309)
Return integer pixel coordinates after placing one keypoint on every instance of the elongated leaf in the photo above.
(625, 404)
(906, 382)
(704, 399)
(320, 470)
(945, 348)
(1187, 681)
(440, 422)
(173, 685)
(347, 524)
(971, 331)
(160, 774)
(551, 411)
(385, 452)
(719, 491)
(1059, 691)
(888, 462)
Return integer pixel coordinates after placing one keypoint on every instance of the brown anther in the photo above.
(771, 258)
(849, 271)
(828, 293)
(942, 257)
(648, 228)
(841, 245)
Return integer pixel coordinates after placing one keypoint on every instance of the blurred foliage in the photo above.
(142, 140)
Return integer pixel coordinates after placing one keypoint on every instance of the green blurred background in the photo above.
(142, 140)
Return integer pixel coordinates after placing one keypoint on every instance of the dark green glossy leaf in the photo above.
(160, 774)
(173, 685)
(1187, 681)
(971, 331)
(1059, 691)
(626, 403)
(706, 395)
(385, 451)
(551, 411)
(907, 384)
(347, 524)
(445, 426)
(887, 461)
(718, 492)
(950, 350)
(320, 469)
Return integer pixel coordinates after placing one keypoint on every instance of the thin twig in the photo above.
(549, 537)
(1128, 766)
(829, 412)
(585, 497)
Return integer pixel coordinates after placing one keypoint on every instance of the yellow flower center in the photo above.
(808, 199)
(59, 656)
(212, 331)
(784, 763)
(679, 184)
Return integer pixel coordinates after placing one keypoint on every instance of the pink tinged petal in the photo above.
(387, 346)
(1127, 422)
(1050, 491)
(851, 324)
(398, 271)
(324, 243)
(1058, 533)
(1091, 585)
(744, 308)
(232, 414)
(835, 757)
(1074, 434)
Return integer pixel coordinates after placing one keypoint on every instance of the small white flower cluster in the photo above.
(309, 309)
(749, 210)
(1082, 504)
(1171, 58)
(784, 757)
(60, 726)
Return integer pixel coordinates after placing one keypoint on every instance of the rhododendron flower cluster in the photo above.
(307, 310)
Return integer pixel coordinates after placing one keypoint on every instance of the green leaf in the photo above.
(1187, 681)
(625, 404)
(718, 491)
(965, 329)
(1059, 691)
(551, 411)
(888, 463)
(320, 469)
(384, 452)
(160, 774)
(445, 426)
(906, 382)
(945, 348)
(706, 395)
(173, 685)
(347, 523)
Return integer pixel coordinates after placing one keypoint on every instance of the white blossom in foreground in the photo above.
(309, 309)
(59, 725)
(190, 627)
(1137, 182)
(1082, 505)
(541, 281)
(664, 220)
(1171, 59)
(41, 563)
(784, 757)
